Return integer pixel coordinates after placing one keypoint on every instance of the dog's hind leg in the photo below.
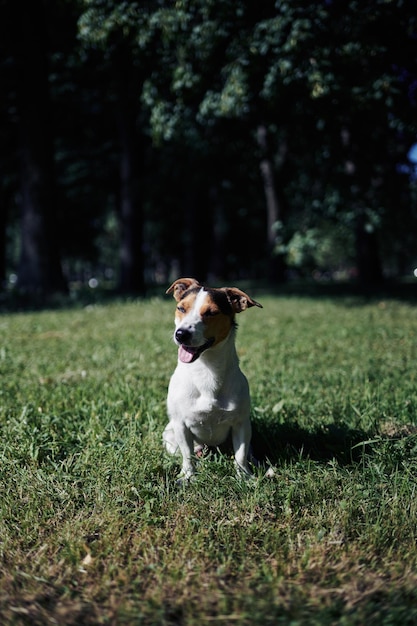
(168, 437)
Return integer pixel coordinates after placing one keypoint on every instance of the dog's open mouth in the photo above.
(188, 354)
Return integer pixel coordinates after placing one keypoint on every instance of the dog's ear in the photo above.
(181, 285)
(240, 300)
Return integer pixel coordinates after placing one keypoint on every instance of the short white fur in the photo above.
(208, 398)
(192, 320)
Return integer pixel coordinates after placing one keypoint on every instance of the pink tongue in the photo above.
(184, 355)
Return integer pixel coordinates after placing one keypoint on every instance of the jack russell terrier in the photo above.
(208, 395)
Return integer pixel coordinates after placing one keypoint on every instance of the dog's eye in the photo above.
(180, 309)
(210, 313)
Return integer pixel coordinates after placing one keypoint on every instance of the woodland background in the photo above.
(221, 139)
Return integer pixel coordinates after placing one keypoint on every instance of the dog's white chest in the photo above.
(209, 419)
(212, 413)
(219, 407)
(207, 410)
(202, 395)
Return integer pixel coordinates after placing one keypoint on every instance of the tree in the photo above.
(229, 138)
(39, 267)
(248, 62)
(105, 30)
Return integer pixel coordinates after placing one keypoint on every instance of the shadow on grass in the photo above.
(278, 442)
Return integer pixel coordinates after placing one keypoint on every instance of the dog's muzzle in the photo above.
(187, 353)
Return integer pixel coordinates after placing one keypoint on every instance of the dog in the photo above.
(208, 394)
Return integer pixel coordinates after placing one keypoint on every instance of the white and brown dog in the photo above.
(208, 394)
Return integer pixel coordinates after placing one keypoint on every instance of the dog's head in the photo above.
(204, 317)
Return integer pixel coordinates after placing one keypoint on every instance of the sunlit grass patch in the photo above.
(95, 530)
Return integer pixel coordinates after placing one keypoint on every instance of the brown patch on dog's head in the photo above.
(217, 315)
(239, 300)
(180, 286)
(204, 316)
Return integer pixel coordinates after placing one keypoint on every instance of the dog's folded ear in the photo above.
(240, 300)
(181, 285)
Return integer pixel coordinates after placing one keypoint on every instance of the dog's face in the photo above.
(204, 317)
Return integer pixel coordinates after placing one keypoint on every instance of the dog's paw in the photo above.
(270, 473)
(243, 472)
(184, 479)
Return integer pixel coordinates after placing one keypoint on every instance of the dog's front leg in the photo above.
(241, 436)
(186, 445)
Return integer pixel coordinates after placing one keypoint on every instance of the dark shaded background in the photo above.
(225, 140)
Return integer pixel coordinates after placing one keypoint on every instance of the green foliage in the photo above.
(219, 54)
(328, 81)
(101, 21)
(324, 247)
(310, 72)
(232, 101)
(94, 529)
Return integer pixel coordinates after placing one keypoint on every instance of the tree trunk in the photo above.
(197, 232)
(276, 264)
(368, 259)
(3, 223)
(39, 267)
(217, 250)
(131, 279)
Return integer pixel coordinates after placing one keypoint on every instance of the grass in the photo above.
(93, 529)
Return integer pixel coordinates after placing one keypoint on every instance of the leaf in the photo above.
(278, 407)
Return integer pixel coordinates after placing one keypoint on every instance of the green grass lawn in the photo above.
(94, 530)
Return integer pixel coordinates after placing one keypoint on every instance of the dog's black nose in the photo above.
(182, 335)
